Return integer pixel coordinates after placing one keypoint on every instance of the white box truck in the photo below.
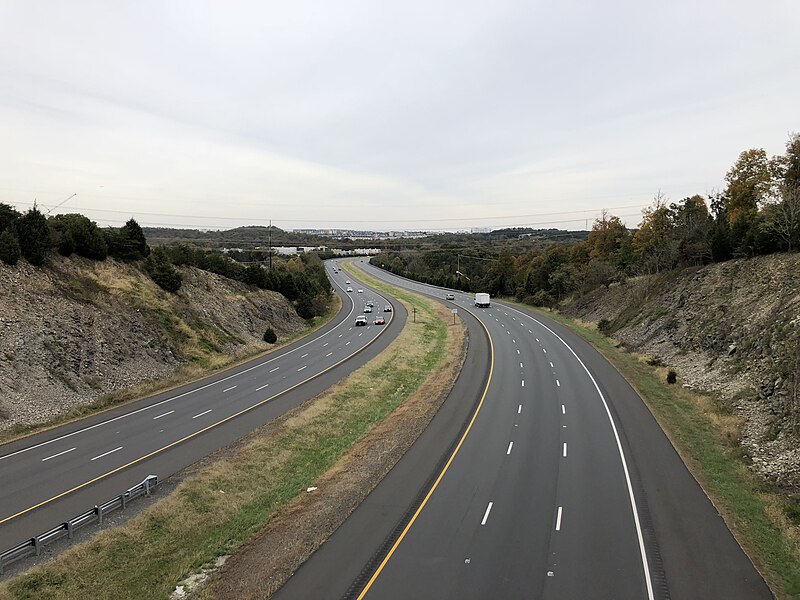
(482, 300)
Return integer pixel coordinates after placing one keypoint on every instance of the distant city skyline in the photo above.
(435, 116)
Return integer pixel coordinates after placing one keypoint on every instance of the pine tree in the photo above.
(9, 247)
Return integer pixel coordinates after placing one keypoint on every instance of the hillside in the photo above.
(731, 328)
(75, 330)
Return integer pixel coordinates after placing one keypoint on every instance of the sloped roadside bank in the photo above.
(229, 502)
(81, 336)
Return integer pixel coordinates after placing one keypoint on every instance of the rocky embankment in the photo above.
(75, 330)
(732, 329)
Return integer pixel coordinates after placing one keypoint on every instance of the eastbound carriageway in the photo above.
(51, 477)
(543, 475)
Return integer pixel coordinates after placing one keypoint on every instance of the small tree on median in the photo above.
(269, 336)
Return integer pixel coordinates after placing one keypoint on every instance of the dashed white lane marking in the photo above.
(523, 383)
(520, 366)
(258, 389)
(558, 519)
(551, 366)
(325, 344)
(510, 446)
(233, 387)
(517, 350)
(202, 413)
(328, 354)
(106, 453)
(486, 514)
(529, 331)
(360, 334)
(340, 335)
(558, 383)
(564, 453)
(347, 343)
(163, 415)
(563, 409)
(544, 350)
(519, 410)
(502, 324)
(513, 340)
(537, 339)
(273, 370)
(301, 368)
(304, 355)
(59, 454)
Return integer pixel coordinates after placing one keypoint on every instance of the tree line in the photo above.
(32, 235)
(757, 213)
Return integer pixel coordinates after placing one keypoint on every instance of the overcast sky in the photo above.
(401, 115)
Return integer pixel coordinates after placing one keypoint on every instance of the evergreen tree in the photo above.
(33, 235)
(9, 247)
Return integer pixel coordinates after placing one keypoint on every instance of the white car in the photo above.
(360, 291)
(347, 282)
(349, 289)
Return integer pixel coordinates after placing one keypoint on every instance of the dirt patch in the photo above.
(261, 567)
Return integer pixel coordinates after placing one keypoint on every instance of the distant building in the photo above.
(480, 230)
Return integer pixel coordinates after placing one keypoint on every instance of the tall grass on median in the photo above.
(216, 511)
(707, 440)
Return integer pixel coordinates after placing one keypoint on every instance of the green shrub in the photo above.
(604, 326)
(162, 271)
(33, 236)
(9, 247)
(269, 336)
(672, 376)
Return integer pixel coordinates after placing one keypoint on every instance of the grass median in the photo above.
(706, 437)
(227, 503)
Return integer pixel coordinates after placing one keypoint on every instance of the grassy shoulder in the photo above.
(186, 373)
(705, 436)
(226, 504)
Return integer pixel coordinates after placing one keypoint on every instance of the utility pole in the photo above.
(270, 244)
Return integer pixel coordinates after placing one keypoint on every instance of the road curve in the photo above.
(564, 487)
(53, 476)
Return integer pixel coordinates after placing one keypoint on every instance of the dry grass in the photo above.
(213, 513)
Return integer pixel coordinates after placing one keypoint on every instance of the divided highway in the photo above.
(53, 476)
(556, 483)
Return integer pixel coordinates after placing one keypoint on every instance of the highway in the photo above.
(544, 475)
(51, 477)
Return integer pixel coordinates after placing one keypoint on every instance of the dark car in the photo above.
(380, 321)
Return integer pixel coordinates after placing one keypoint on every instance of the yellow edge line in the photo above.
(196, 433)
(444, 469)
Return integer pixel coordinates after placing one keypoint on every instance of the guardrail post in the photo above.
(1, 564)
(147, 486)
(122, 501)
(99, 512)
(69, 529)
(37, 546)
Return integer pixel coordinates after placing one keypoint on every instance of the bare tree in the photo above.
(783, 219)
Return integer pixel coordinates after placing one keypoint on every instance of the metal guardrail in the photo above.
(33, 546)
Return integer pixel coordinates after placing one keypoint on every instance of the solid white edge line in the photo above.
(203, 413)
(510, 446)
(558, 519)
(486, 514)
(163, 415)
(59, 454)
(106, 453)
(642, 550)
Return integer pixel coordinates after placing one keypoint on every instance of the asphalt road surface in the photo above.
(51, 477)
(552, 481)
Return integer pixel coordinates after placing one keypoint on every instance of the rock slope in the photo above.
(731, 328)
(74, 330)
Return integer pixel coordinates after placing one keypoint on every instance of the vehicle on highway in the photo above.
(347, 282)
(450, 297)
(370, 303)
(360, 291)
(482, 300)
(387, 308)
(380, 321)
(367, 309)
(349, 289)
(361, 320)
